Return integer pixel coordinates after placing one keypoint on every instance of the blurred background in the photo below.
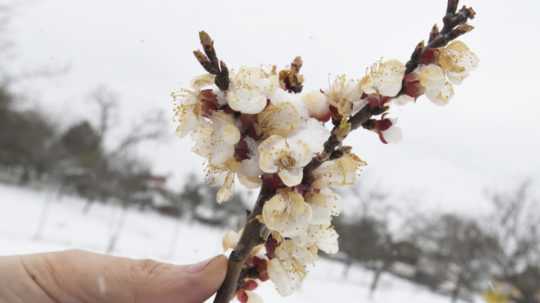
(88, 156)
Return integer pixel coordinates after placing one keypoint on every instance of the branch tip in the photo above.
(297, 63)
(434, 32)
(205, 39)
(452, 6)
(211, 63)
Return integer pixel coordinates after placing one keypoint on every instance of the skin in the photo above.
(84, 277)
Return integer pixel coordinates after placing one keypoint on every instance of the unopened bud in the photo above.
(230, 240)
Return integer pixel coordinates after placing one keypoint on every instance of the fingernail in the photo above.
(195, 268)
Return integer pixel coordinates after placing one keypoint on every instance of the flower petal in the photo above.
(230, 239)
(317, 105)
(268, 153)
(285, 277)
(287, 213)
(384, 78)
(431, 77)
(247, 101)
(291, 177)
(441, 96)
(281, 119)
(226, 191)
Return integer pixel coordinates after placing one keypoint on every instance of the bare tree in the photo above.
(456, 249)
(514, 223)
(362, 232)
(150, 128)
(107, 103)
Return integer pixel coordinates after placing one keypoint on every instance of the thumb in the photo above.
(169, 283)
(82, 276)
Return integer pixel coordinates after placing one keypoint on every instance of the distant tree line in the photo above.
(92, 157)
(451, 254)
(76, 160)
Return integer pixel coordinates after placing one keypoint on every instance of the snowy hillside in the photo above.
(148, 235)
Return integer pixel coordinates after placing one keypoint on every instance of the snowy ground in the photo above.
(148, 235)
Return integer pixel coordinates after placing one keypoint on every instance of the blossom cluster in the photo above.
(261, 129)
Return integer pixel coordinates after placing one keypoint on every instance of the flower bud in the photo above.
(317, 105)
(230, 239)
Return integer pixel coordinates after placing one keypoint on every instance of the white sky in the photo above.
(487, 137)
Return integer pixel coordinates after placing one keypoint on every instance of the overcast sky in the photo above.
(487, 137)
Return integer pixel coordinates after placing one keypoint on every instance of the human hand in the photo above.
(79, 276)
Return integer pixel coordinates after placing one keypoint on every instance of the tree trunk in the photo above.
(347, 267)
(377, 276)
(87, 206)
(43, 217)
(116, 233)
(25, 176)
(174, 240)
(457, 289)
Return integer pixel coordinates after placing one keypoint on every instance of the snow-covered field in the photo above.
(148, 235)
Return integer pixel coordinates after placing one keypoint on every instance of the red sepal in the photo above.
(209, 102)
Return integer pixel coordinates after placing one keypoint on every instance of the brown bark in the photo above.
(250, 238)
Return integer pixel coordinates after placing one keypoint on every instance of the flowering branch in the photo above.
(455, 25)
(252, 125)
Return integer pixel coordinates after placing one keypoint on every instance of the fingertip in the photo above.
(216, 270)
(221, 262)
(211, 277)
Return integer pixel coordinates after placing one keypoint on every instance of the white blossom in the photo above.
(250, 89)
(230, 239)
(324, 237)
(313, 133)
(384, 78)
(187, 104)
(215, 139)
(342, 95)
(441, 96)
(303, 253)
(282, 96)
(281, 119)
(317, 105)
(324, 205)
(249, 172)
(432, 78)
(222, 176)
(287, 275)
(285, 157)
(288, 269)
(287, 213)
(225, 192)
(457, 60)
(339, 172)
